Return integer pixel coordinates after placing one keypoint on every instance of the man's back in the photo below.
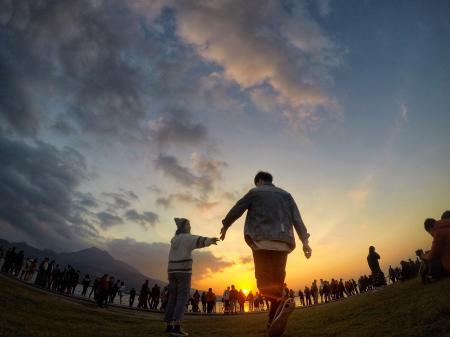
(440, 249)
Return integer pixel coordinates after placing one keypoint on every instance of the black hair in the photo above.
(182, 229)
(264, 176)
(371, 249)
(445, 215)
(428, 224)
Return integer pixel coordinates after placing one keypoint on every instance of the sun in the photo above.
(245, 291)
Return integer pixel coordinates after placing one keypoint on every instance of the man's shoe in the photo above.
(178, 332)
(280, 320)
(169, 328)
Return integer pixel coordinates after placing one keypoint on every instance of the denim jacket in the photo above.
(272, 215)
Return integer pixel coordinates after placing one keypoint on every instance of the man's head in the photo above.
(429, 224)
(262, 178)
(445, 215)
(371, 249)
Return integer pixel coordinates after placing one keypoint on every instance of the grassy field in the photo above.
(407, 309)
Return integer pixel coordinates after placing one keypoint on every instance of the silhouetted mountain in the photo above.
(92, 261)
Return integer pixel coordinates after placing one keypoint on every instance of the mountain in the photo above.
(92, 261)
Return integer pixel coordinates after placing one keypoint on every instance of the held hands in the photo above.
(215, 240)
(307, 250)
(223, 232)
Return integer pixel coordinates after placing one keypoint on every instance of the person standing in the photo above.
(132, 297)
(180, 272)
(226, 301)
(377, 274)
(272, 216)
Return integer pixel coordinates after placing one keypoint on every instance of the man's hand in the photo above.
(307, 250)
(215, 241)
(223, 232)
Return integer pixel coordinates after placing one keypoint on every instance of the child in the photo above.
(180, 272)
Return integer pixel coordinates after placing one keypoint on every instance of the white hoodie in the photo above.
(180, 255)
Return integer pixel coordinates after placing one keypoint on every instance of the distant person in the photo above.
(377, 274)
(210, 301)
(86, 282)
(438, 258)
(315, 292)
(155, 295)
(102, 290)
(241, 300)
(250, 299)
(226, 300)
(302, 297)
(272, 214)
(121, 291)
(132, 297)
(196, 301)
(203, 299)
(180, 272)
(307, 293)
(94, 288)
(233, 299)
(143, 296)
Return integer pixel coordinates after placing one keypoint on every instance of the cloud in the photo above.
(120, 200)
(145, 219)
(403, 111)
(97, 68)
(246, 259)
(204, 174)
(40, 202)
(202, 204)
(266, 43)
(171, 167)
(177, 128)
(108, 220)
(151, 258)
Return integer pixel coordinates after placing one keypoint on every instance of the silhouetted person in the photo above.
(155, 294)
(180, 272)
(86, 283)
(203, 299)
(132, 296)
(142, 301)
(102, 290)
(272, 216)
(438, 258)
(94, 288)
(210, 301)
(302, 297)
(377, 274)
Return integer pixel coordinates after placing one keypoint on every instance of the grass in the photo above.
(406, 309)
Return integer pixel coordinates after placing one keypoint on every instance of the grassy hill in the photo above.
(406, 309)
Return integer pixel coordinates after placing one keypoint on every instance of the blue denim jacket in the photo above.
(272, 215)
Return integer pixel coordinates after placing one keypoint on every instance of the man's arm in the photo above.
(300, 227)
(235, 213)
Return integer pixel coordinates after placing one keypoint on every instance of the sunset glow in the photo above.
(172, 107)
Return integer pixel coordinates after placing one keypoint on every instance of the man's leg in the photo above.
(270, 272)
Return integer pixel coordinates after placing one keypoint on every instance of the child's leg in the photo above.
(168, 318)
(183, 285)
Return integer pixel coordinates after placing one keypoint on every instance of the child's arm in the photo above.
(202, 241)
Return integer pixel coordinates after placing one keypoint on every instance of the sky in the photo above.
(116, 117)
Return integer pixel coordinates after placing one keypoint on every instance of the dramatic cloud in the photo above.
(146, 219)
(204, 174)
(40, 203)
(176, 128)
(266, 43)
(96, 67)
(120, 200)
(108, 220)
(151, 259)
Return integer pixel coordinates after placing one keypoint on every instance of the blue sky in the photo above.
(116, 117)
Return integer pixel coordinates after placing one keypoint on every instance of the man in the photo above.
(271, 216)
(438, 258)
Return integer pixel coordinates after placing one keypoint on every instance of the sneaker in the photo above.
(280, 320)
(169, 328)
(178, 332)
